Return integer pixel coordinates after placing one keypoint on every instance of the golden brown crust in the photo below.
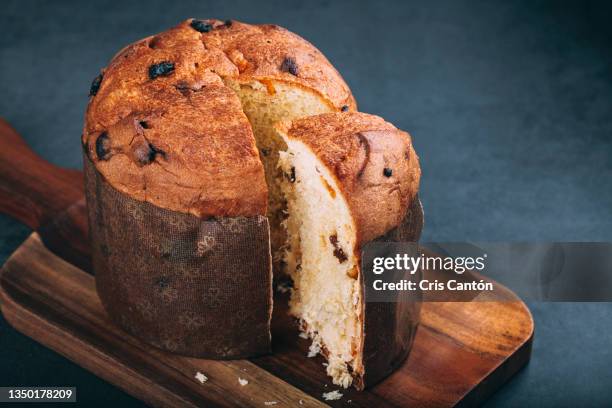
(271, 52)
(373, 162)
(198, 169)
(177, 137)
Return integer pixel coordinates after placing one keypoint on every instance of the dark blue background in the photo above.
(509, 105)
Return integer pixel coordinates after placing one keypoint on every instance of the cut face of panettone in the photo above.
(321, 260)
(336, 167)
(265, 103)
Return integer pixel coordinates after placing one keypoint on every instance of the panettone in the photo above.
(350, 179)
(202, 147)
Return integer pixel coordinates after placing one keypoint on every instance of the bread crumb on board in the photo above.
(315, 348)
(270, 403)
(243, 381)
(201, 377)
(332, 395)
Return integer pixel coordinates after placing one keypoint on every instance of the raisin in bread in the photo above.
(350, 178)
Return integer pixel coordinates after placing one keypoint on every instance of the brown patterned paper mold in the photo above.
(171, 278)
(391, 326)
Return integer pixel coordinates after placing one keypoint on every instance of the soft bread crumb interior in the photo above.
(265, 103)
(320, 259)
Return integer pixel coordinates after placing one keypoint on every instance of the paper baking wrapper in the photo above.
(192, 286)
(390, 327)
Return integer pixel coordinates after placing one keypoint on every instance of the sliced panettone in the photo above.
(349, 178)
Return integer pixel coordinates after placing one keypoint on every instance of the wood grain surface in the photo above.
(45, 197)
(33, 190)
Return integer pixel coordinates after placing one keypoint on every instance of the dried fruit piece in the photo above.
(146, 153)
(238, 59)
(163, 68)
(269, 86)
(329, 188)
(289, 65)
(291, 176)
(95, 85)
(103, 146)
(353, 273)
(338, 251)
(201, 26)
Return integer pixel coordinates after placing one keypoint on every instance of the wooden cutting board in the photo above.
(463, 351)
